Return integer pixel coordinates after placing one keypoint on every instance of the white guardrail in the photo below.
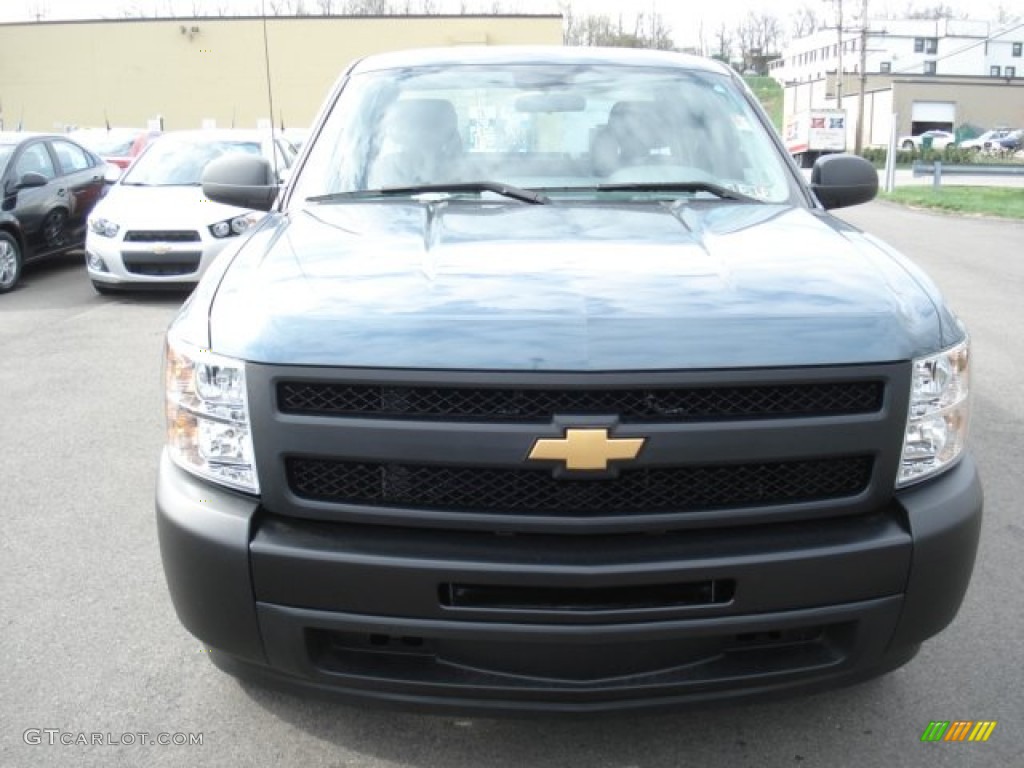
(936, 170)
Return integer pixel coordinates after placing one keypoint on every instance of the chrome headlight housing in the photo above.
(207, 408)
(939, 414)
(104, 227)
(234, 226)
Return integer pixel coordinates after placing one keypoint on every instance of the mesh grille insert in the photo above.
(161, 236)
(647, 490)
(540, 405)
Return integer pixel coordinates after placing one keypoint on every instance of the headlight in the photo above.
(235, 226)
(939, 414)
(104, 227)
(208, 416)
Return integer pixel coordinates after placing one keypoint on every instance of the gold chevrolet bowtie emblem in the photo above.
(586, 448)
(161, 248)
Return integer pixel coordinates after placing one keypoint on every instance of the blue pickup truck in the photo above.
(548, 384)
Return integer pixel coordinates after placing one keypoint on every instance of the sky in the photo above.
(684, 17)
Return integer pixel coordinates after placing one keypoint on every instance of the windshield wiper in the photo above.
(679, 186)
(497, 187)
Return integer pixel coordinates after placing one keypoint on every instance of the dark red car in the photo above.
(119, 146)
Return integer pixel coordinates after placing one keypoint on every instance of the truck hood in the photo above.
(569, 287)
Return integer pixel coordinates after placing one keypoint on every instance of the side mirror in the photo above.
(842, 180)
(31, 180)
(241, 180)
(111, 174)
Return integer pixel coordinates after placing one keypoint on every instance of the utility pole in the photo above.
(839, 49)
(858, 141)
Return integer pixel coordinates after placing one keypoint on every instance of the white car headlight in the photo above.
(939, 414)
(104, 227)
(208, 416)
(235, 226)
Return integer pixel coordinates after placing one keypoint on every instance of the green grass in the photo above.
(1007, 202)
(769, 93)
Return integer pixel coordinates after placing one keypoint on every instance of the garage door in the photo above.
(934, 112)
(932, 116)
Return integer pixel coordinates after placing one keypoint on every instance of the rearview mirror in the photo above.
(242, 180)
(31, 180)
(550, 102)
(841, 180)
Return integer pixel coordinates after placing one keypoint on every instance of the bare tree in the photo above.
(39, 9)
(702, 46)
(371, 8)
(758, 35)
(1006, 16)
(133, 10)
(932, 11)
(655, 33)
(805, 21)
(723, 43)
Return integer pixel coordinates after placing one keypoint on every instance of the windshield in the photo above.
(563, 129)
(174, 161)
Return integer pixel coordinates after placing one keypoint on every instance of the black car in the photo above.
(49, 185)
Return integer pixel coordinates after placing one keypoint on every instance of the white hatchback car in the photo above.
(155, 228)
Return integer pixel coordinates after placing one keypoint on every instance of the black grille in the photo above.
(166, 265)
(161, 236)
(540, 405)
(536, 492)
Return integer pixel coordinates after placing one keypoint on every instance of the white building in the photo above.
(908, 47)
(932, 74)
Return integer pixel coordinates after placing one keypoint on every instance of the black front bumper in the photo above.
(538, 625)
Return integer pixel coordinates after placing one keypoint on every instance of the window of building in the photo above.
(1017, 49)
(994, 71)
(918, 45)
(931, 45)
(929, 67)
(885, 67)
(1010, 71)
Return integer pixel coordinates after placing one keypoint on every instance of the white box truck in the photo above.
(815, 132)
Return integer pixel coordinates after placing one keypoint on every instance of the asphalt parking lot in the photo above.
(91, 645)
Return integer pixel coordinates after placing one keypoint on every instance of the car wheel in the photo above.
(908, 145)
(55, 229)
(10, 262)
(103, 288)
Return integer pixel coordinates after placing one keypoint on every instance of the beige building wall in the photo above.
(190, 70)
(985, 102)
